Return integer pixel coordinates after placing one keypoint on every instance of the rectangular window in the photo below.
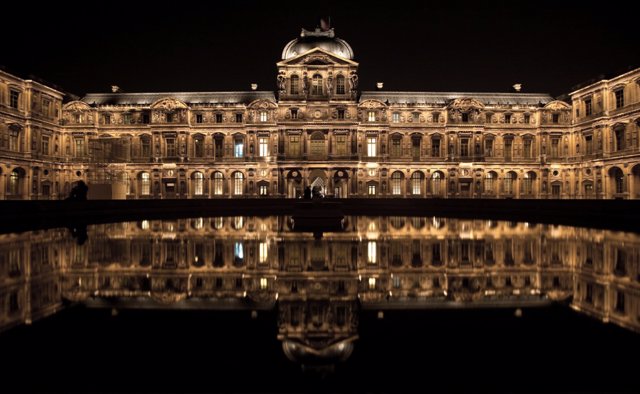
(294, 113)
(619, 94)
(555, 144)
(294, 145)
(488, 148)
(145, 118)
(436, 117)
(341, 114)
(508, 151)
(435, 147)
(372, 172)
(527, 119)
(371, 189)
(371, 146)
(507, 118)
(198, 145)
(45, 145)
(238, 148)
(79, 147)
(264, 189)
(555, 118)
(371, 116)
(589, 142)
(199, 118)
(46, 108)
(587, 107)
(371, 252)
(263, 116)
(396, 147)
(341, 144)
(263, 253)
(527, 148)
(340, 85)
(107, 119)
(465, 117)
(464, 147)
(488, 118)
(126, 118)
(395, 118)
(13, 99)
(416, 117)
(238, 118)
(218, 118)
(169, 118)
(146, 147)
(171, 147)
(263, 146)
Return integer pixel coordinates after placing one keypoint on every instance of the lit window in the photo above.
(238, 148)
(238, 183)
(79, 147)
(371, 116)
(145, 184)
(372, 283)
(263, 145)
(316, 85)
(217, 184)
(263, 283)
(372, 190)
(371, 146)
(372, 172)
(372, 257)
(263, 116)
(416, 183)
(238, 252)
(263, 252)
(395, 118)
(295, 84)
(264, 190)
(396, 183)
(198, 184)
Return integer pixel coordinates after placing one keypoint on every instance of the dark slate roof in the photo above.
(186, 97)
(443, 98)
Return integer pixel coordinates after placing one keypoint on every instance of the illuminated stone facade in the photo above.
(319, 130)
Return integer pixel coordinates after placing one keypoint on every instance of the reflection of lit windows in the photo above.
(263, 252)
(372, 283)
(145, 184)
(238, 183)
(372, 258)
(396, 282)
(198, 223)
(218, 222)
(238, 222)
(198, 183)
(238, 148)
(217, 184)
(145, 225)
(238, 252)
(263, 283)
(372, 226)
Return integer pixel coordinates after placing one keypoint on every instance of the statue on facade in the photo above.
(305, 85)
(353, 83)
(281, 83)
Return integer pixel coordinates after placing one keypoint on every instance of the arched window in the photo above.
(529, 177)
(294, 87)
(316, 85)
(396, 183)
(145, 183)
(15, 181)
(145, 146)
(416, 183)
(618, 177)
(619, 135)
(218, 183)
(436, 183)
(340, 84)
(489, 182)
(198, 183)
(238, 183)
(509, 181)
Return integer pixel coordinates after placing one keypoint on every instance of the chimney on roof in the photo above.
(115, 89)
(254, 86)
(379, 85)
(517, 87)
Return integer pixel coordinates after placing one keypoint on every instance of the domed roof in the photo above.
(317, 39)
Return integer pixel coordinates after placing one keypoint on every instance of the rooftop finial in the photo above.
(325, 24)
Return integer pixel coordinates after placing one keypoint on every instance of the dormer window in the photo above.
(465, 117)
(238, 118)
(587, 107)
(507, 118)
(169, 118)
(555, 118)
(13, 98)
(295, 85)
(294, 113)
(107, 119)
(340, 85)
(263, 116)
(77, 118)
(341, 114)
(395, 118)
(218, 118)
(199, 118)
(619, 95)
(527, 118)
(371, 116)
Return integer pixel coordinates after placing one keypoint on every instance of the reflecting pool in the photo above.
(316, 286)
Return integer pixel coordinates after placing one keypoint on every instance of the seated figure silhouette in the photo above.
(307, 192)
(79, 192)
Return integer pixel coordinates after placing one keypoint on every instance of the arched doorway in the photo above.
(617, 184)
(318, 183)
(635, 181)
(341, 184)
(15, 187)
(529, 184)
(437, 184)
(416, 183)
(294, 184)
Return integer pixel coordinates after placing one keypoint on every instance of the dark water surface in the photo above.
(387, 304)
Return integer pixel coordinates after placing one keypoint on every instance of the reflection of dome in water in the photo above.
(317, 39)
(307, 355)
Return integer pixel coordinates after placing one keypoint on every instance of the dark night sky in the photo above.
(446, 46)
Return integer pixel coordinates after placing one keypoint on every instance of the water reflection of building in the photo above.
(319, 285)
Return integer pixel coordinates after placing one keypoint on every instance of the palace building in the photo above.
(319, 130)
